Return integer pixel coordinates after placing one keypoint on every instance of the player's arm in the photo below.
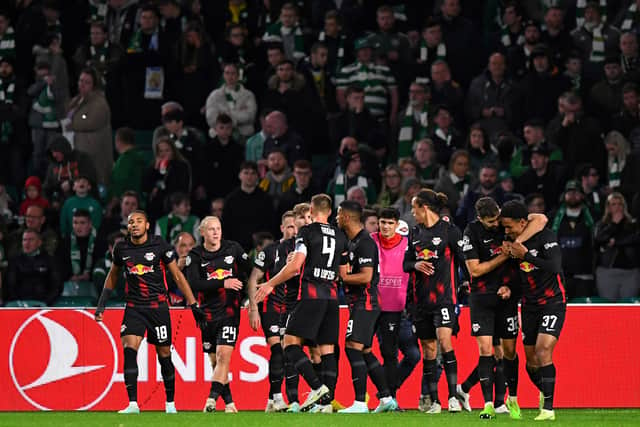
(536, 224)
(365, 257)
(549, 257)
(252, 288)
(455, 244)
(181, 282)
(361, 278)
(477, 268)
(289, 271)
(109, 285)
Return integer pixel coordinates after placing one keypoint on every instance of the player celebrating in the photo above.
(321, 255)
(145, 259)
(215, 271)
(361, 289)
(543, 300)
(433, 244)
(493, 307)
(270, 313)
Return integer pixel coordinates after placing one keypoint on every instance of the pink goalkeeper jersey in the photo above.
(392, 287)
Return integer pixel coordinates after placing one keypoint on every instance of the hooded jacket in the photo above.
(73, 164)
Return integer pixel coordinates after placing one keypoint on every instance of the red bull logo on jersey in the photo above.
(497, 250)
(527, 266)
(427, 254)
(140, 269)
(219, 274)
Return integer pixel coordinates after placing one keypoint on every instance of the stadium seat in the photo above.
(79, 289)
(75, 302)
(115, 303)
(25, 303)
(633, 300)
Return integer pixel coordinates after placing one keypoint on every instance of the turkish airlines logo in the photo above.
(67, 377)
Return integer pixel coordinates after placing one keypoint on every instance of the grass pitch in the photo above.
(564, 417)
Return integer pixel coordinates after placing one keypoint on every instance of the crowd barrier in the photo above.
(61, 359)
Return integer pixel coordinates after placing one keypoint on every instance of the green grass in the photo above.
(564, 417)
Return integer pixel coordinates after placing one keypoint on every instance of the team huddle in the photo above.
(401, 288)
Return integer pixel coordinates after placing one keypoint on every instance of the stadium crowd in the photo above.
(242, 109)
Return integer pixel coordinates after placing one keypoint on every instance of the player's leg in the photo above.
(210, 405)
(450, 365)
(358, 372)
(271, 327)
(429, 371)
(327, 335)
(159, 334)
(388, 325)
(168, 376)
(486, 364)
(552, 320)
(500, 382)
(221, 371)
(292, 377)
(408, 345)
(130, 345)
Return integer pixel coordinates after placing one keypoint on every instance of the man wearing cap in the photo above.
(380, 90)
(573, 225)
(543, 177)
(605, 98)
(542, 86)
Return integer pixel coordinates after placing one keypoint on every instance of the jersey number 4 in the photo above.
(329, 248)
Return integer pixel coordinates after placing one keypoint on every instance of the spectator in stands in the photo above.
(488, 187)
(247, 209)
(188, 140)
(254, 147)
(145, 70)
(217, 207)
(505, 180)
(556, 36)
(628, 116)
(236, 49)
(82, 200)
(512, 32)
(275, 56)
(370, 220)
(65, 166)
(183, 243)
(33, 195)
(574, 225)
(34, 220)
(519, 57)
(493, 99)
(410, 187)
(276, 127)
(543, 177)
(392, 47)
(79, 249)
(409, 168)
(445, 136)
(605, 98)
(391, 189)
(617, 241)
(302, 188)
(33, 274)
(30, 28)
(542, 85)
(51, 53)
(118, 221)
(535, 203)
(356, 121)
(178, 220)
(287, 30)
(573, 71)
(479, 148)
(168, 174)
(90, 121)
(627, 18)
(533, 132)
(7, 36)
(338, 43)
(357, 194)
(43, 121)
(456, 181)
(431, 48)
(629, 55)
(121, 20)
(218, 162)
(13, 132)
(618, 150)
(578, 135)
(351, 177)
(595, 39)
(428, 168)
(445, 91)
(414, 120)
(461, 40)
(278, 180)
(103, 265)
(381, 99)
(589, 181)
(235, 101)
(127, 171)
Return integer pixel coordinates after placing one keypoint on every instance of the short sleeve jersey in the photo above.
(325, 247)
(145, 270)
(270, 261)
(363, 252)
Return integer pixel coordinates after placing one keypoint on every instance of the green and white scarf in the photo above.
(562, 212)
(340, 54)
(614, 173)
(76, 256)
(339, 190)
(99, 54)
(45, 105)
(8, 43)
(630, 17)
(98, 10)
(582, 4)
(505, 37)
(230, 95)
(406, 138)
(135, 45)
(277, 32)
(7, 89)
(597, 45)
(441, 51)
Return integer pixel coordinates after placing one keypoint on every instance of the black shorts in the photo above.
(272, 323)
(156, 322)
(542, 320)
(492, 316)
(427, 320)
(362, 325)
(221, 332)
(317, 320)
